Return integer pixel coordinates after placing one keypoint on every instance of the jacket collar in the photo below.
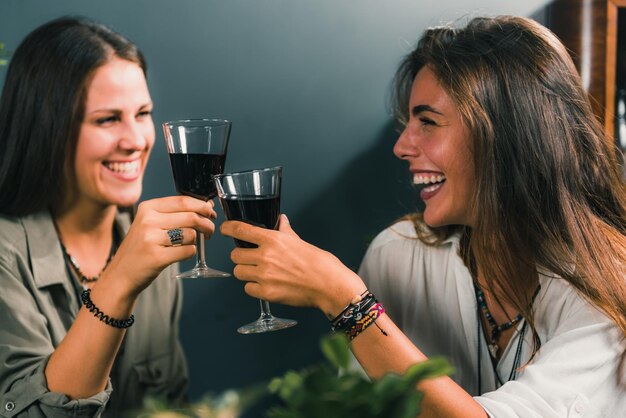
(45, 251)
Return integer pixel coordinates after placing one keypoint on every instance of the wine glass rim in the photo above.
(255, 170)
(199, 121)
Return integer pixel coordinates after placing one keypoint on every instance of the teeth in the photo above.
(124, 168)
(423, 179)
(432, 188)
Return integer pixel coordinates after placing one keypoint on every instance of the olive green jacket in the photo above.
(39, 302)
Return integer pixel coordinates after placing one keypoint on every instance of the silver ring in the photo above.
(176, 236)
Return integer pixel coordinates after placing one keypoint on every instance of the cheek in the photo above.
(466, 177)
(149, 135)
(94, 144)
(438, 153)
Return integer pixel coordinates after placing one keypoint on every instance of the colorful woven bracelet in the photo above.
(358, 304)
(367, 319)
(354, 300)
(85, 297)
(362, 312)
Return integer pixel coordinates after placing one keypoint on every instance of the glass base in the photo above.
(266, 323)
(202, 273)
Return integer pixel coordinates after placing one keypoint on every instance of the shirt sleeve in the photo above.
(574, 374)
(25, 347)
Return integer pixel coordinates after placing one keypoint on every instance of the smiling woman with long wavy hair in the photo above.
(516, 269)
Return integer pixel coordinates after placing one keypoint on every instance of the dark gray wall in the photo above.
(304, 83)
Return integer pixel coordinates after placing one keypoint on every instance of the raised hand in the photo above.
(147, 250)
(286, 269)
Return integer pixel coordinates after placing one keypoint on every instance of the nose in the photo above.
(133, 136)
(406, 146)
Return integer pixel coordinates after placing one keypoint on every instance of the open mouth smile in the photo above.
(429, 183)
(124, 168)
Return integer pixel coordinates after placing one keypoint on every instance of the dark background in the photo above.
(306, 85)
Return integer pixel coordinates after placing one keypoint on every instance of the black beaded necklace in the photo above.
(481, 306)
(84, 280)
(73, 264)
(496, 330)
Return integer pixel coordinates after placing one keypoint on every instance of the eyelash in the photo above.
(428, 122)
(108, 119)
(102, 121)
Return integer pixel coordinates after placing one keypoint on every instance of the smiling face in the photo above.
(436, 144)
(116, 136)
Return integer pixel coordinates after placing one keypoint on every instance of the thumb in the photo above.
(285, 226)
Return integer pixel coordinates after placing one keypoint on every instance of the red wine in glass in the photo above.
(193, 174)
(197, 149)
(263, 211)
(254, 197)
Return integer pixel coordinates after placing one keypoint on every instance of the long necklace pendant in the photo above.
(493, 349)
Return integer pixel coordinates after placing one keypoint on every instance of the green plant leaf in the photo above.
(286, 386)
(318, 391)
(433, 367)
(336, 349)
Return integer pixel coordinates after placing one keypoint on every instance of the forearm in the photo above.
(379, 354)
(286, 269)
(81, 364)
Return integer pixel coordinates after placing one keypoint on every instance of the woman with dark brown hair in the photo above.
(516, 268)
(76, 132)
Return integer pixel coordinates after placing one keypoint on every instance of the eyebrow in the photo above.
(416, 110)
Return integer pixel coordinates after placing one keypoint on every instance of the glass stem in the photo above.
(200, 262)
(265, 310)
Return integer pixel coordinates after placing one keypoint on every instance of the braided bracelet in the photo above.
(117, 323)
(362, 312)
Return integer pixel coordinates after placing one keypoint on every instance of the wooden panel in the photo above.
(611, 63)
(582, 27)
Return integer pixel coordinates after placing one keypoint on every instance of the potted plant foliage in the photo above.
(331, 389)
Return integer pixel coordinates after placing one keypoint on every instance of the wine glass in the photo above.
(197, 150)
(254, 197)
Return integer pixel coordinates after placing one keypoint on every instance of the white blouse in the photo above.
(428, 292)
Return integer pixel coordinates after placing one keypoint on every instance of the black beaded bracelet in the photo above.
(117, 323)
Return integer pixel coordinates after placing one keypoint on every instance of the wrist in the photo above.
(114, 293)
(362, 312)
(341, 294)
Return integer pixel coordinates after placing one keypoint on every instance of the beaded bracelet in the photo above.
(117, 323)
(362, 312)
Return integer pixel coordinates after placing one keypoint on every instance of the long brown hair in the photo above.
(42, 106)
(549, 192)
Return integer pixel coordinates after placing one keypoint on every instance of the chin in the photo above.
(435, 221)
(125, 199)
(430, 220)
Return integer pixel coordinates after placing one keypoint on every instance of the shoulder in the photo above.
(402, 236)
(9, 227)
(561, 308)
(12, 235)
(398, 254)
(398, 232)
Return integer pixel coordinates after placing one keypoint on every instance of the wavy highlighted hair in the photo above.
(549, 191)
